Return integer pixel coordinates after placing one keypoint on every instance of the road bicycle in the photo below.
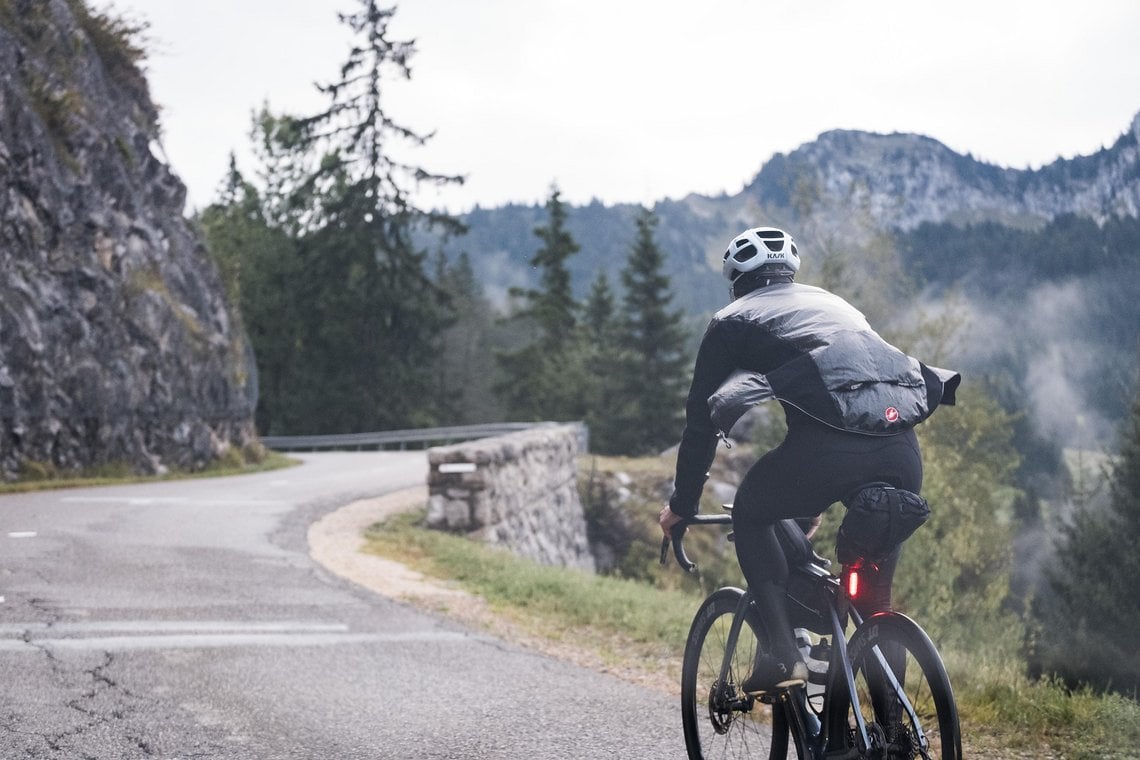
(881, 693)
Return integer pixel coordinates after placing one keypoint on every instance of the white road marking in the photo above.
(157, 635)
(176, 626)
(146, 501)
(453, 467)
(22, 534)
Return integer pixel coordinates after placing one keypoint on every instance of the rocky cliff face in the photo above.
(904, 180)
(116, 341)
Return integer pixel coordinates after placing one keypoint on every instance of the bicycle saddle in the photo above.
(797, 548)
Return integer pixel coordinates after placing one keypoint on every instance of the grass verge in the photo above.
(641, 629)
(626, 625)
(120, 474)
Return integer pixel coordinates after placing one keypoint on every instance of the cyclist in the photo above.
(851, 401)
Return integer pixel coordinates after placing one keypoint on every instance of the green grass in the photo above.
(1004, 713)
(625, 620)
(1010, 710)
(36, 476)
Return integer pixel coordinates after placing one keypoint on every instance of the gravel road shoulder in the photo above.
(336, 541)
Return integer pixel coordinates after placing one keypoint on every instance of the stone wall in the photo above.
(519, 491)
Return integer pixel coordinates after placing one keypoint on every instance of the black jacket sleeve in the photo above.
(698, 442)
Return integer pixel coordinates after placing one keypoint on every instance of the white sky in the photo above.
(640, 100)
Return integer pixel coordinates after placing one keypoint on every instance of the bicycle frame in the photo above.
(730, 645)
(895, 688)
(809, 731)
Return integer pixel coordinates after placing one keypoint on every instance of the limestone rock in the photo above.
(117, 343)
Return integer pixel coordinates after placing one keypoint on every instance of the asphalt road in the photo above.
(187, 620)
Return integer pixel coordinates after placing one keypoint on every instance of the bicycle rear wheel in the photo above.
(903, 692)
(720, 721)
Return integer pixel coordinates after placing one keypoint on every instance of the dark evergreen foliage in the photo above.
(608, 407)
(636, 361)
(655, 364)
(543, 380)
(994, 257)
(501, 244)
(466, 362)
(1088, 625)
(364, 319)
(1070, 284)
(624, 374)
(260, 265)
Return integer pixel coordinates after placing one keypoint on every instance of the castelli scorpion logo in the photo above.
(891, 414)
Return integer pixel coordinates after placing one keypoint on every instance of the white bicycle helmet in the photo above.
(765, 248)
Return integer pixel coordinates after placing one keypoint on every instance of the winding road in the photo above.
(186, 619)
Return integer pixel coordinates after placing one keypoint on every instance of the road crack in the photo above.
(97, 699)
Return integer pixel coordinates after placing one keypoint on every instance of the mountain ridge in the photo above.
(1053, 324)
(855, 181)
(882, 170)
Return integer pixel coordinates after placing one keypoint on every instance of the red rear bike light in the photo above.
(853, 583)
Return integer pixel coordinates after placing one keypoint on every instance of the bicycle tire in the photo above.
(930, 731)
(731, 725)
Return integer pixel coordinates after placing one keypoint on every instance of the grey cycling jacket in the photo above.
(808, 348)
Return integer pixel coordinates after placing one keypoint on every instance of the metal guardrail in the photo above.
(395, 438)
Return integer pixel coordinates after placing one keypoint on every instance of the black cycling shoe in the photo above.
(770, 674)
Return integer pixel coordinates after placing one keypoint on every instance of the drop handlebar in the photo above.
(677, 536)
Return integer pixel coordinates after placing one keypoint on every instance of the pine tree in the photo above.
(552, 304)
(368, 337)
(543, 380)
(608, 408)
(259, 265)
(466, 362)
(1088, 626)
(654, 365)
(598, 313)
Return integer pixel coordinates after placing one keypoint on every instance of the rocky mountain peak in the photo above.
(903, 180)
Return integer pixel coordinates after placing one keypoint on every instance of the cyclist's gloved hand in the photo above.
(667, 519)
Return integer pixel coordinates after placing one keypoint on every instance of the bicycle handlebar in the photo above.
(678, 538)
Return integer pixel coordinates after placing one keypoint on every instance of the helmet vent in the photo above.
(745, 253)
(770, 234)
(775, 245)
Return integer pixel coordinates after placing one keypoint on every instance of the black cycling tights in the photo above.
(814, 467)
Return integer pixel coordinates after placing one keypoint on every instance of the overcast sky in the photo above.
(640, 100)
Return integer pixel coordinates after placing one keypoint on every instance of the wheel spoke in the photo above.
(720, 721)
(912, 714)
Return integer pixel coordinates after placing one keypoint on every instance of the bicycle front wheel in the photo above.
(720, 721)
(903, 694)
